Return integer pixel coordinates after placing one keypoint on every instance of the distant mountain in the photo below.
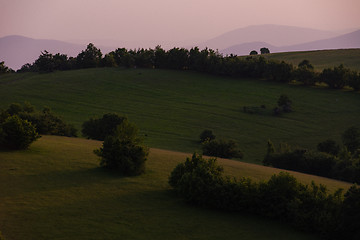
(350, 40)
(276, 35)
(18, 50)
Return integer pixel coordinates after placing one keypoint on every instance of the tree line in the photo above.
(310, 208)
(206, 60)
(331, 159)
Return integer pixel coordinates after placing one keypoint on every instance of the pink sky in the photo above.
(166, 20)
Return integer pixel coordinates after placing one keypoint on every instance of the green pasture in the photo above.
(322, 59)
(173, 107)
(55, 190)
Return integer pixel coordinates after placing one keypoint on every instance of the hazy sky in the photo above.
(168, 20)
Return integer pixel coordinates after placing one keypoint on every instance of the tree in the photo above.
(4, 69)
(253, 52)
(285, 103)
(351, 139)
(264, 50)
(305, 73)
(336, 77)
(45, 62)
(90, 57)
(122, 151)
(16, 133)
(222, 148)
(206, 135)
(329, 146)
(99, 128)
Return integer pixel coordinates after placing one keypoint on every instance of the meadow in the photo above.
(56, 190)
(322, 58)
(172, 108)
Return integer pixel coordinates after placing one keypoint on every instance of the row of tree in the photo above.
(21, 124)
(309, 207)
(331, 160)
(206, 60)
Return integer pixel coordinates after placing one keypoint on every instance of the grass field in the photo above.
(172, 108)
(323, 58)
(55, 190)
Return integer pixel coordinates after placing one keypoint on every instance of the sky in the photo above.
(166, 20)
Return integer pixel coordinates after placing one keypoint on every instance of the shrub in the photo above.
(222, 148)
(329, 146)
(350, 216)
(45, 121)
(351, 139)
(284, 102)
(207, 135)
(99, 128)
(122, 151)
(195, 179)
(16, 133)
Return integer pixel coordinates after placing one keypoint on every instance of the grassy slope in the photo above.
(322, 59)
(55, 190)
(172, 108)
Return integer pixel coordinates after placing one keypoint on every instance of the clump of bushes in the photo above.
(16, 133)
(45, 121)
(330, 160)
(99, 128)
(122, 151)
(308, 207)
(221, 148)
(207, 135)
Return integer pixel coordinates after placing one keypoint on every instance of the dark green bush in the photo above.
(16, 133)
(222, 148)
(207, 135)
(350, 215)
(45, 121)
(329, 146)
(351, 139)
(99, 128)
(122, 151)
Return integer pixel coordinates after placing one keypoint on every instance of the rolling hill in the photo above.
(173, 107)
(55, 190)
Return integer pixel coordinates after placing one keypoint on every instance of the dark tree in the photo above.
(122, 151)
(4, 69)
(90, 57)
(253, 52)
(329, 146)
(16, 133)
(285, 103)
(351, 139)
(336, 77)
(99, 128)
(305, 73)
(206, 135)
(264, 50)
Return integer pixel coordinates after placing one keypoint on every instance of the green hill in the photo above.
(173, 107)
(322, 59)
(55, 190)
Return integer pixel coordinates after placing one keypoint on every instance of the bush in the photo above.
(99, 128)
(45, 121)
(16, 133)
(122, 151)
(350, 216)
(351, 139)
(329, 146)
(222, 148)
(207, 135)
(195, 179)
